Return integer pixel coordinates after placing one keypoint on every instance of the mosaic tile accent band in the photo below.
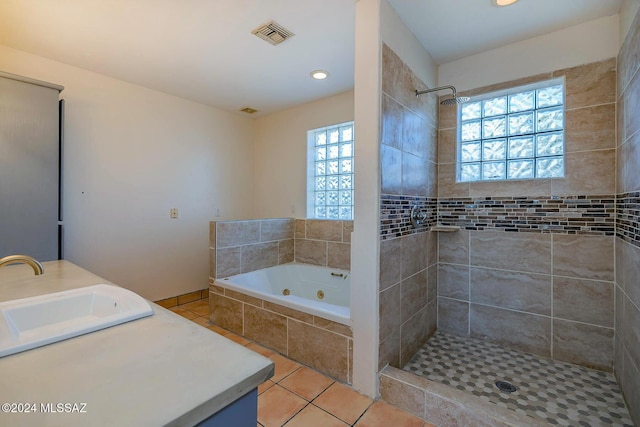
(594, 215)
(591, 215)
(395, 212)
(628, 214)
(586, 215)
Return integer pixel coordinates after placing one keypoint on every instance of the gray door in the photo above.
(29, 169)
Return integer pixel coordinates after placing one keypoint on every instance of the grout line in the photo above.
(469, 287)
(324, 410)
(364, 412)
(551, 346)
(625, 295)
(526, 272)
(593, 105)
(294, 415)
(527, 312)
(631, 76)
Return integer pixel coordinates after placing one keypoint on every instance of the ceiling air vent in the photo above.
(272, 32)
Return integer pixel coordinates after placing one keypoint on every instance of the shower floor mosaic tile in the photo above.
(558, 393)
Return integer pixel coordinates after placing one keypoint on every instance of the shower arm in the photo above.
(435, 89)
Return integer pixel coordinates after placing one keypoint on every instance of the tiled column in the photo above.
(408, 255)
(627, 341)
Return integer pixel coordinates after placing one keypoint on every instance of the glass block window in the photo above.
(330, 172)
(514, 134)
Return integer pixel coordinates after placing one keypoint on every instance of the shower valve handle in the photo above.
(418, 216)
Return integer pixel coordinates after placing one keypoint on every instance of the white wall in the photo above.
(280, 151)
(627, 13)
(364, 240)
(581, 44)
(401, 40)
(130, 155)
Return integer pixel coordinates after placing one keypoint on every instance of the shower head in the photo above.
(454, 100)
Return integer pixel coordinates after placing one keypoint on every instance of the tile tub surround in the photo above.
(242, 246)
(627, 301)
(314, 341)
(323, 242)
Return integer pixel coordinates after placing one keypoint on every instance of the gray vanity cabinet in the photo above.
(29, 167)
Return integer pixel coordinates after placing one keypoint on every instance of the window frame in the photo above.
(311, 172)
(506, 138)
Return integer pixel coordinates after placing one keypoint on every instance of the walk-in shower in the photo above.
(454, 100)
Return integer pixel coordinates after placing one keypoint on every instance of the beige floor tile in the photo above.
(343, 402)
(200, 307)
(306, 383)
(202, 311)
(190, 297)
(237, 338)
(184, 313)
(202, 321)
(194, 304)
(277, 405)
(381, 414)
(284, 367)
(265, 386)
(217, 329)
(314, 416)
(260, 349)
(168, 302)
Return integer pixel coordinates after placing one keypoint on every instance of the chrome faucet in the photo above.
(25, 259)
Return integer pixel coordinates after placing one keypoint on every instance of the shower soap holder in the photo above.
(445, 228)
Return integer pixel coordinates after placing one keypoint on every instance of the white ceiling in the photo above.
(203, 50)
(453, 29)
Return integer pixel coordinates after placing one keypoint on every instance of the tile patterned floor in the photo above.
(559, 393)
(297, 396)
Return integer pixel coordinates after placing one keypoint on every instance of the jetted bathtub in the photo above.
(320, 291)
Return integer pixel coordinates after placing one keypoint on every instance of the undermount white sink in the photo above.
(33, 322)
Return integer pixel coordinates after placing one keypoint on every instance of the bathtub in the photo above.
(320, 291)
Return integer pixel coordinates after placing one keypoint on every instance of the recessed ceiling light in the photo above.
(504, 2)
(319, 74)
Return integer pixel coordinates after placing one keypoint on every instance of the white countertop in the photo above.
(155, 371)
